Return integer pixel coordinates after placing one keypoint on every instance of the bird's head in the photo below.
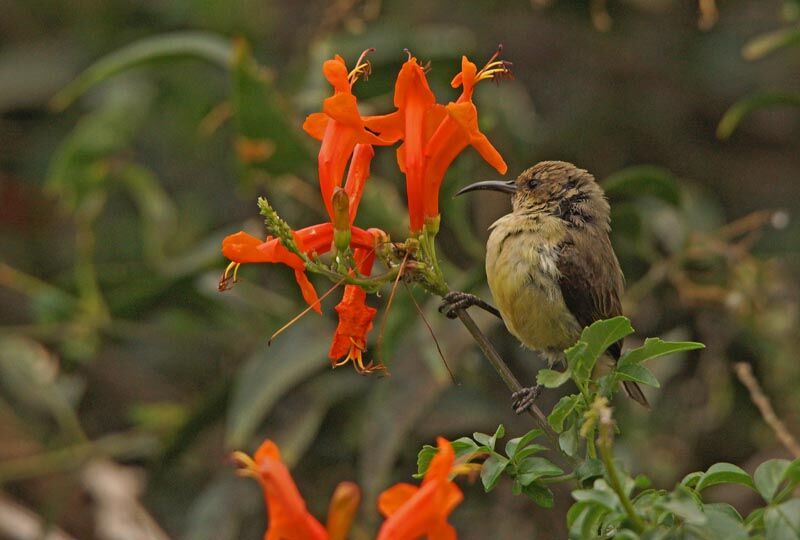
(554, 188)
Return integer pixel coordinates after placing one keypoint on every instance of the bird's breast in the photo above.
(522, 271)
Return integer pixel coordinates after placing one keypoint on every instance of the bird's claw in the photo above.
(455, 300)
(523, 399)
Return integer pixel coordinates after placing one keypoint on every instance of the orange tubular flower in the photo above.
(355, 320)
(241, 248)
(288, 517)
(339, 126)
(416, 511)
(433, 134)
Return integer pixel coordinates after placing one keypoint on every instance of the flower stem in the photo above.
(605, 444)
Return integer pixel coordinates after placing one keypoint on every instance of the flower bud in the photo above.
(341, 219)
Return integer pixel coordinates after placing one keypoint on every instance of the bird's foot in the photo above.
(455, 300)
(523, 399)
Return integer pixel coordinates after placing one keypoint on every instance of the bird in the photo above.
(550, 265)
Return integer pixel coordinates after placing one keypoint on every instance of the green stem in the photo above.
(606, 455)
(591, 452)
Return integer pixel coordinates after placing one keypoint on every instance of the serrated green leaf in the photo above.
(724, 473)
(550, 378)
(637, 373)
(561, 411)
(491, 470)
(655, 347)
(519, 443)
(782, 522)
(200, 45)
(768, 477)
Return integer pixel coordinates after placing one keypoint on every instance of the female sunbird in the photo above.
(550, 265)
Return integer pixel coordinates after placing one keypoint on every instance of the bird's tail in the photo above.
(635, 393)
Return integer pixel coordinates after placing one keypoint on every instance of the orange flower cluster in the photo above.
(432, 136)
(412, 512)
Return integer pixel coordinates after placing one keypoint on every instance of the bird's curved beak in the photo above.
(506, 186)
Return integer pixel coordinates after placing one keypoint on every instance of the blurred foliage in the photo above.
(116, 344)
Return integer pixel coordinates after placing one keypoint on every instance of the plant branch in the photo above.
(504, 371)
(745, 374)
(605, 444)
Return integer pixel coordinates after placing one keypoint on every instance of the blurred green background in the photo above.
(126, 378)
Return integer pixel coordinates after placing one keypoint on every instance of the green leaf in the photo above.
(606, 499)
(763, 44)
(584, 520)
(464, 448)
(783, 521)
(589, 470)
(268, 374)
(724, 473)
(755, 520)
(267, 137)
(201, 45)
(637, 373)
(561, 410)
(742, 108)
(539, 494)
(683, 504)
(597, 337)
(491, 470)
(643, 180)
(691, 479)
(533, 468)
(768, 477)
(568, 440)
(722, 521)
(488, 441)
(550, 378)
(655, 347)
(515, 445)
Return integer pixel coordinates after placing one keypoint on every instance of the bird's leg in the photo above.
(524, 398)
(455, 300)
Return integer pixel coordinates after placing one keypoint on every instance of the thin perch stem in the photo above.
(745, 374)
(504, 371)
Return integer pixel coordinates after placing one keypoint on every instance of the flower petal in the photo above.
(307, 290)
(395, 497)
(315, 124)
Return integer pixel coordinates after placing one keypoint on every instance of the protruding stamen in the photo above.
(247, 466)
(229, 277)
(495, 68)
(363, 67)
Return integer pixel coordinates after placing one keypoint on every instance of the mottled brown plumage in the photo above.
(550, 264)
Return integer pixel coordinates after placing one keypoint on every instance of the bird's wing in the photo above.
(591, 280)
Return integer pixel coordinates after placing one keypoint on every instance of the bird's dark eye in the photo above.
(533, 183)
